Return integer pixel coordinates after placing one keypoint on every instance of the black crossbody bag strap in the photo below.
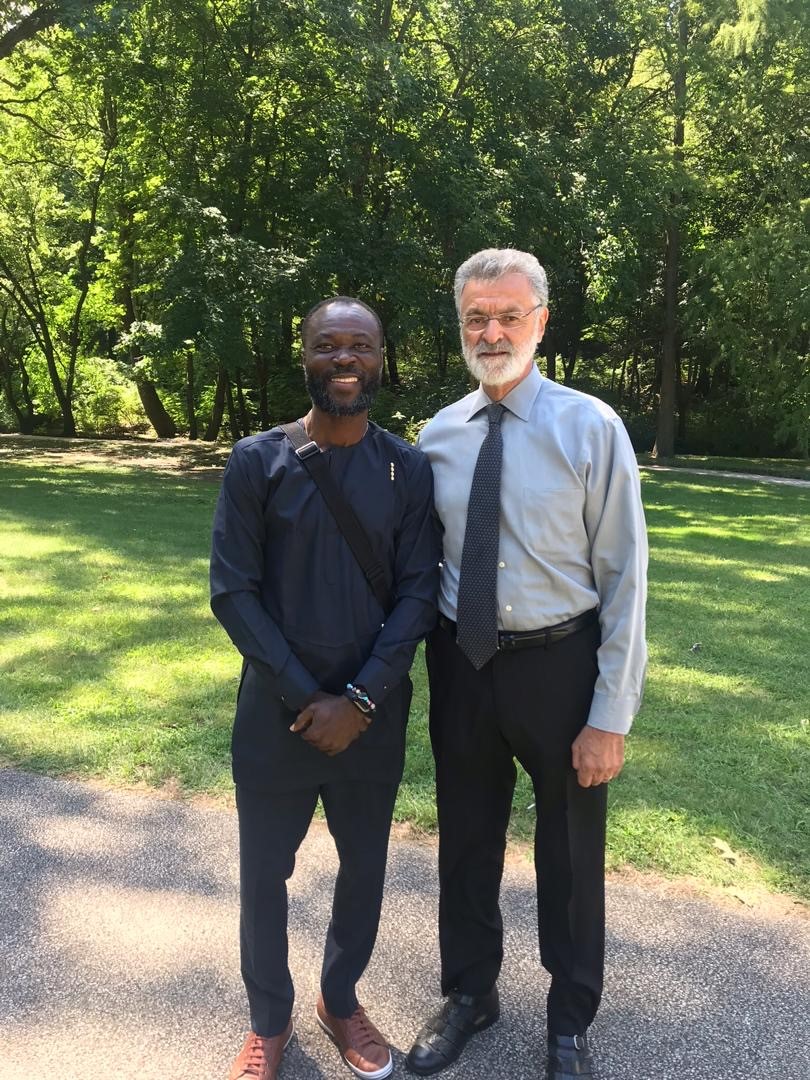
(355, 535)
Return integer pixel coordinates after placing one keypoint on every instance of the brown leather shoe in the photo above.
(364, 1049)
(259, 1058)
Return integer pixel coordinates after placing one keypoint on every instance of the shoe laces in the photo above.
(363, 1032)
(256, 1058)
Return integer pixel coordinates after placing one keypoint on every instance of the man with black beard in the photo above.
(324, 696)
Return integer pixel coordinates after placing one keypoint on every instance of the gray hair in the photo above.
(493, 263)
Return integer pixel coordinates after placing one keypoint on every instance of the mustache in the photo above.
(502, 345)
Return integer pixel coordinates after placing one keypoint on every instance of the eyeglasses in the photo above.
(508, 319)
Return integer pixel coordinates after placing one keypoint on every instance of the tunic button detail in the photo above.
(502, 565)
(508, 607)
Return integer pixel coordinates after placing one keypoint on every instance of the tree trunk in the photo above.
(244, 415)
(261, 384)
(684, 397)
(264, 404)
(570, 353)
(108, 123)
(548, 350)
(23, 421)
(391, 362)
(236, 434)
(683, 412)
(165, 427)
(29, 417)
(569, 363)
(20, 404)
(621, 378)
(441, 354)
(213, 429)
(65, 403)
(286, 351)
(635, 383)
(190, 410)
(665, 430)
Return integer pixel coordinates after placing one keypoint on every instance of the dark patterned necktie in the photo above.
(477, 616)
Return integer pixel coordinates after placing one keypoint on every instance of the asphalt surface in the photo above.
(118, 957)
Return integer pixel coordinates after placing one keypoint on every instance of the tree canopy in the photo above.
(182, 180)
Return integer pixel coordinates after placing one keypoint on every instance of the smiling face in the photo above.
(499, 355)
(342, 358)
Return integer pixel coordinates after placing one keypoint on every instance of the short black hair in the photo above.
(341, 300)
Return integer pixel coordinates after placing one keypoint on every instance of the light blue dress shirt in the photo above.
(572, 535)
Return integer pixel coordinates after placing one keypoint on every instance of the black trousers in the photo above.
(272, 826)
(528, 704)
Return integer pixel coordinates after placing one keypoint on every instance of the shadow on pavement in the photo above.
(119, 940)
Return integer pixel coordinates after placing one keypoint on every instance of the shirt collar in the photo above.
(519, 400)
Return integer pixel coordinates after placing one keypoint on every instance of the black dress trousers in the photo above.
(275, 807)
(272, 826)
(528, 704)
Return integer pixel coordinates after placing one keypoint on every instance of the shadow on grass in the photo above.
(108, 638)
(172, 455)
(106, 627)
(721, 741)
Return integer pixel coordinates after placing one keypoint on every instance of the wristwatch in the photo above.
(358, 696)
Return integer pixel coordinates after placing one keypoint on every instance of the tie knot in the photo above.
(495, 412)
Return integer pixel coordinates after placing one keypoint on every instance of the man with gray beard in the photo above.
(539, 657)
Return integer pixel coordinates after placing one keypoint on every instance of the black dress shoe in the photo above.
(568, 1057)
(445, 1035)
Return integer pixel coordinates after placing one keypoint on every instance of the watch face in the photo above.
(359, 699)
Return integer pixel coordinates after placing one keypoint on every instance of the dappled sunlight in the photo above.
(75, 1029)
(768, 577)
(81, 834)
(671, 679)
(684, 557)
(113, 665)
(97, 924)
(134, 673)
(665, 837)
(27, 545)
(36, 646)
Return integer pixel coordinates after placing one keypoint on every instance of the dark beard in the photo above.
(318, 390)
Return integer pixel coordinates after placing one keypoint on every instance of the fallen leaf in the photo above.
(725, 851)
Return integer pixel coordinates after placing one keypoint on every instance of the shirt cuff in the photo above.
(612, 714)
(377, 678)
(295, 683)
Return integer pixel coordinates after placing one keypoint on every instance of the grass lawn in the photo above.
(112, 666)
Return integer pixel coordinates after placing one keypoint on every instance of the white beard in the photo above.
(503, 370)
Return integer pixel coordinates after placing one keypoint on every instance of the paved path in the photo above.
(118, 957)
(790, 481)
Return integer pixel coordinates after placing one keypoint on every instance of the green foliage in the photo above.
(106, 399)
(761, 326)
(183, 180)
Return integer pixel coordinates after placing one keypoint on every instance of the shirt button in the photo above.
(508, 607)
(502, 565)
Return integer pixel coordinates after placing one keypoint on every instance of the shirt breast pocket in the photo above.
(553, 522)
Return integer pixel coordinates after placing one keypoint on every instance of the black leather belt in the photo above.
(533, 639)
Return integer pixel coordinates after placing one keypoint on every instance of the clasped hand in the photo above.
(330, 723)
